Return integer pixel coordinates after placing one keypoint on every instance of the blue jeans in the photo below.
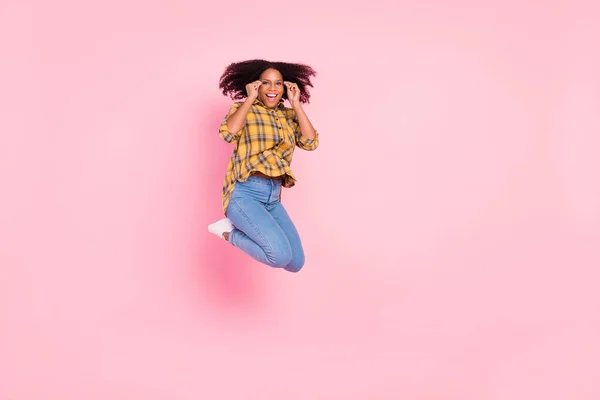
(263, 229)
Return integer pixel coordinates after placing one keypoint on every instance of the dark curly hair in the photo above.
(237, 75)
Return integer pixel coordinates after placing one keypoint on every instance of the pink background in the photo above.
(451, 216)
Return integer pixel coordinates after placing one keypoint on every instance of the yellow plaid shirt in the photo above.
(265, 144)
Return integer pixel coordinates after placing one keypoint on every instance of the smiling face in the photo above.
(272, 88)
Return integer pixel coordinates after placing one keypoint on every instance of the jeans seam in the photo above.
(248, 219)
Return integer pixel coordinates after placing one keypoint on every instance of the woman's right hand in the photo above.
(252, 89)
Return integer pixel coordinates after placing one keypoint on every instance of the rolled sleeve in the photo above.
(224, 131)
(305, 143)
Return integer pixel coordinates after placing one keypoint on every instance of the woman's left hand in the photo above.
(293, 92)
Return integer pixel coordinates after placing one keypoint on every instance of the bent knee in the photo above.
(295, 264)
(293, 267)
(280, 259)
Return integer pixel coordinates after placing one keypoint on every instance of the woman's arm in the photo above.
(306, 128)
(307, 137)
(236, 121)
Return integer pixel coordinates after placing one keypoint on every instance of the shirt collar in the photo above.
(260, 103)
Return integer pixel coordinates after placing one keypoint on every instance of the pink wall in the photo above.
(451, 216)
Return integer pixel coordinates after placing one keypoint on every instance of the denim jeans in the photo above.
(263, 229)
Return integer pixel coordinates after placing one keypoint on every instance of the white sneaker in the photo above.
(220, 227)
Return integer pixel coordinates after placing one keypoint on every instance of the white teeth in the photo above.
(271, 95)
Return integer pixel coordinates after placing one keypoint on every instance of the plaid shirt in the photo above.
(265, 144)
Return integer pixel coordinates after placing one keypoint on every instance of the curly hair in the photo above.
(238, 74)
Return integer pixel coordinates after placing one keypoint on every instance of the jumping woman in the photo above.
(266, 133)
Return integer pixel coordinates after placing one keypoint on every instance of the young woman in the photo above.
(265, 133)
